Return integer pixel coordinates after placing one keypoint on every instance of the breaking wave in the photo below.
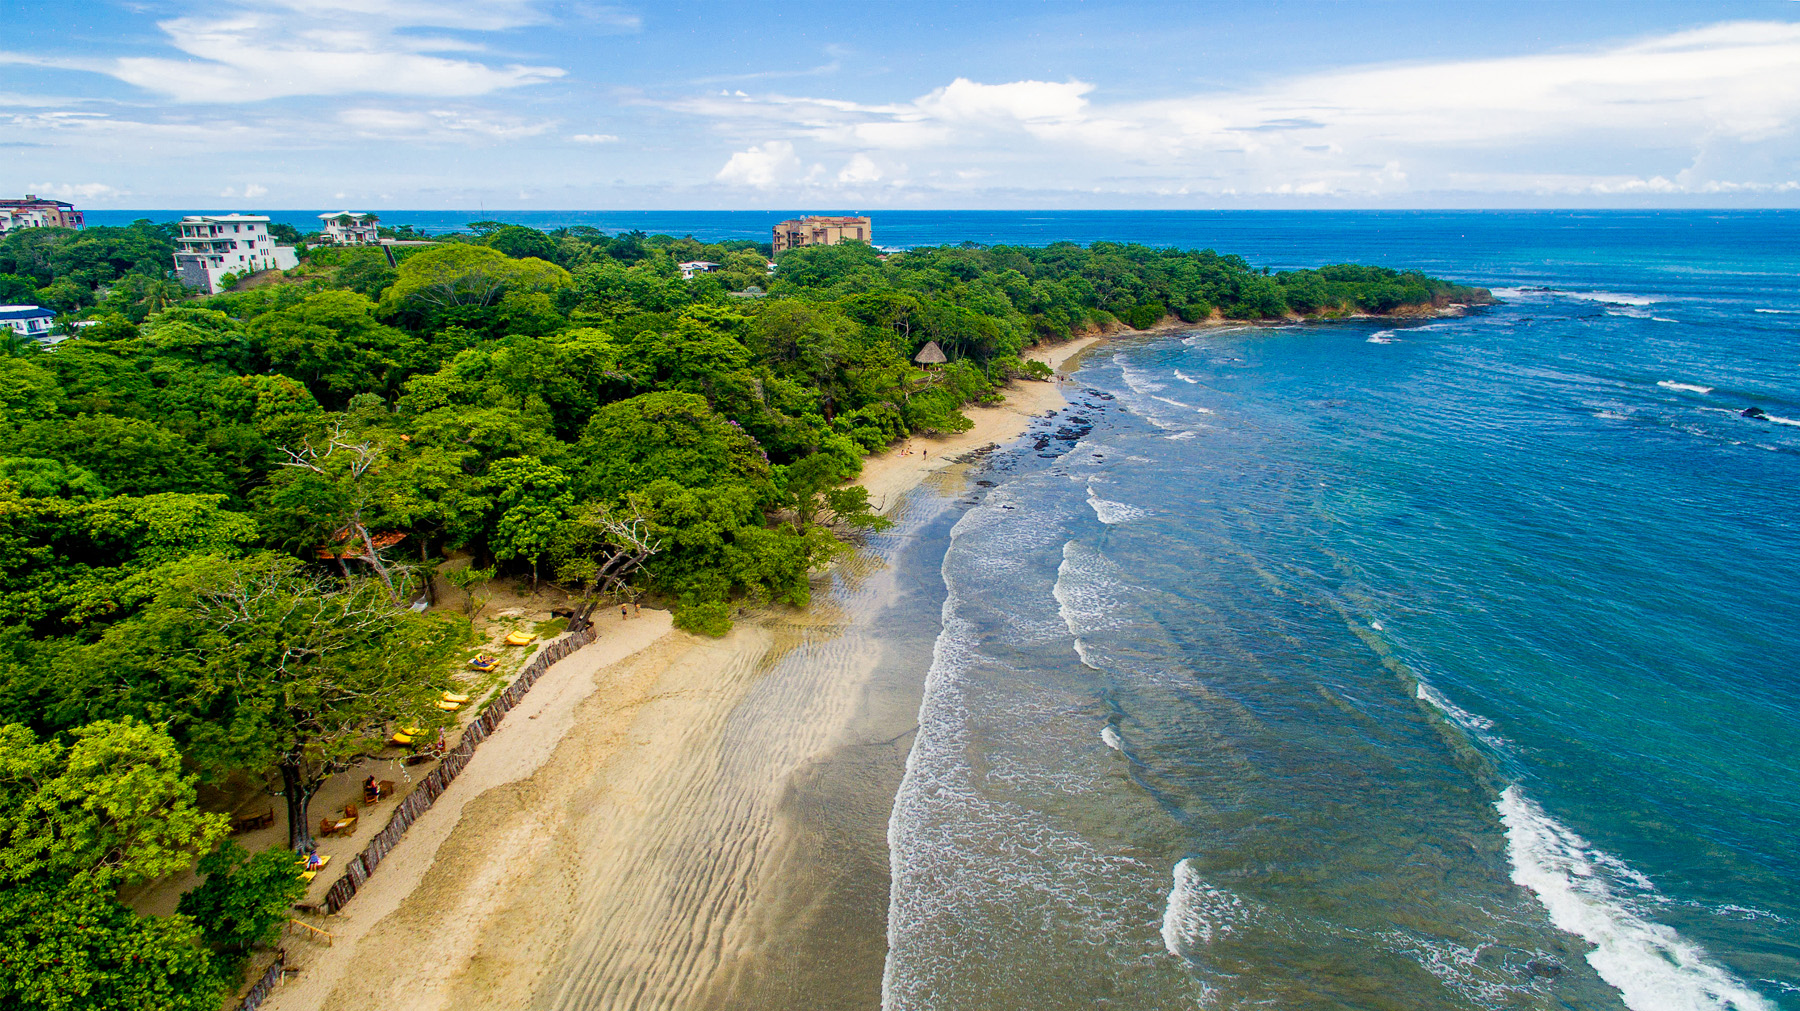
(1653, 967)
(1198, 912)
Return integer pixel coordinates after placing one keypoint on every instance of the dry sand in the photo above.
(895, 472)
(630, 837)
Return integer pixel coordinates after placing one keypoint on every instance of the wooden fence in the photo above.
(270, 977)
(438, 780)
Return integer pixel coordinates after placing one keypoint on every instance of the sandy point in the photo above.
(890, 475)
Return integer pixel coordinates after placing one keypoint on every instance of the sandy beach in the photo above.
(895, 472)
(671, 821)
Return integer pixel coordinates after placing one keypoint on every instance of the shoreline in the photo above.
(582, 841)
(891, 474)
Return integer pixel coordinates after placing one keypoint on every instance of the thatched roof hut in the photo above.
(930, 354)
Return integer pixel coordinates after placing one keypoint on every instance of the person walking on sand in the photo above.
(622, 614)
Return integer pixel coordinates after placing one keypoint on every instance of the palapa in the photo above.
(930, 354)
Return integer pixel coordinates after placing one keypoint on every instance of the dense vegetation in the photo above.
(215, 511)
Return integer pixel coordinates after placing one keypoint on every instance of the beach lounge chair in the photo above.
(401, 740)
(485, 663)
(452, 697)
(449, 707)
(521, 638)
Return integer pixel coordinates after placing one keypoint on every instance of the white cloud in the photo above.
(762, 166)
(428, 125)
(253, 50)
(251, 191)
(593, 138)
(860, 169)
(1638, 117)
(87, 192)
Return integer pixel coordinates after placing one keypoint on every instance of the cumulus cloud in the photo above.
(860, 169)
(1635, 117)
(762, 167)
(253, 50)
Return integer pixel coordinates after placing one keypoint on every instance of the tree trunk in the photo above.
(299, 795)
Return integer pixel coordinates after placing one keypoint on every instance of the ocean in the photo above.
(1447, 664)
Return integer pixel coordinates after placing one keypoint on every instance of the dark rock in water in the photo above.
(1546, 967)
(985, 484)
(1041, 443)
(1754, 412)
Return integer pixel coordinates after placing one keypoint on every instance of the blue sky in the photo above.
(524, 104)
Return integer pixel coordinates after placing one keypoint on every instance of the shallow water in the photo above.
(1446, 664)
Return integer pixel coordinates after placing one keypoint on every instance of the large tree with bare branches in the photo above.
(255, 664)
(600, 549)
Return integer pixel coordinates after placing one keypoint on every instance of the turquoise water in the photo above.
(1441, 665)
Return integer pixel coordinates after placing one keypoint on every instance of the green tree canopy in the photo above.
(464, 275)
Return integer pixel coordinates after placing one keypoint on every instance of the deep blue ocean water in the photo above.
(1452, 664)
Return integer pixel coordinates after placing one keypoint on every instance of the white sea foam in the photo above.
(1087, 592)
(1670, 384)
(1111, 737)
(1198, 912)
(1663, 319)
(1137, 379)
(1458, 715)
(1610, 415)
(1112, 513)
(1184, 377)
(1782, 312)
(1611, 297)
(1182, 435)
(1780, 421)
(1653, 967)
(1384, 337)
(1177, 403)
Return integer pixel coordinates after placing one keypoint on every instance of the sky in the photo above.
(881, 104)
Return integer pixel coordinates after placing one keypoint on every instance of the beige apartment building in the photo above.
(820, 230)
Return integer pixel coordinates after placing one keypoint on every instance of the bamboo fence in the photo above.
(270, 977)
(439, 779)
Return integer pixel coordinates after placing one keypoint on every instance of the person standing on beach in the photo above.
(622, 614)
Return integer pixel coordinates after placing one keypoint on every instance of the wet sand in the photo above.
(688, 823)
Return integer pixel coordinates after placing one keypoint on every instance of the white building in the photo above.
(13, 218)
(692, 267)
(350, 228)
(213, 245)
(29, 321)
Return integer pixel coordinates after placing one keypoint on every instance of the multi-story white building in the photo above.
(29, 321)
(351, 228)
(213, 245)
